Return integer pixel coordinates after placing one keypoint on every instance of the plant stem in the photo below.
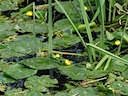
(34, 31)
(106, 52)
(102, 25)
(50, 27)
(101, 62)
(110, 9)
(119, 48)
(114, 12)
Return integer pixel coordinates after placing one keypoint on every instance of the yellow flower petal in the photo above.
(67, 62)
(57, 56)
(117, 42)
(29, 13)
(85, 8)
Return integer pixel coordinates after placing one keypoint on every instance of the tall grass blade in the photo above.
(102, 24)
(110, 9)
(124, 31)
(84, 44)
(108, 53)
(50, 27)
(87, 26)
(34, 31)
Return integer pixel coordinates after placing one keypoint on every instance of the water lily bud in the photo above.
(67, 62)
(117, 42)
(29, 13)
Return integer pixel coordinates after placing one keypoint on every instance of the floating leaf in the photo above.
(75, 72)
(82, 92)
(6, 5)
(41, 83)
(6, 79)
(28, 27)
(19, 92)
(121, 87)
(25, 44)
(65, 41)
(40, 63)
(17, 71)
(71, 7)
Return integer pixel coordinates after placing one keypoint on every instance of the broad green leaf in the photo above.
(33, 93)
(64, 23)
(26, 44)
(17, 71)
(125, 73)
(6, 79)
(28, 27)
(62, 94)
(6, 5)
(82, 92)
(65, 41)
(118, 65)
(75, 72)
(40, 63)
(20, 92)
(41, 83)
(120, 86)
(98, 73)
(79, 91)
(109, 35)
(71, 7)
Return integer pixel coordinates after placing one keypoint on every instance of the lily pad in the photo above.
(120, 86)
(8, 5)
(25, 44)
(40, 63)
(71, 7)
(17, 71)
(28, 27)
(65, 41)
(20, 92)
(5, 79)
(74, 72)
(40, 84)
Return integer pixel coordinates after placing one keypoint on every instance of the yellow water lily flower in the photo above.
(117, 42)
(85, 8)
(57, 56)
(67, 62)
(29, 13)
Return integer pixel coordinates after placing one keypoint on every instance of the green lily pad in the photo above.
(74, 72)
(6, 79)
(65, 41)
(40, 63)
(8, 5)
(17, 71)
(40, 84)
(71, 7)
(20, 92)
(25, 44)
(120, 86)
(28, 27)
(78, 91)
